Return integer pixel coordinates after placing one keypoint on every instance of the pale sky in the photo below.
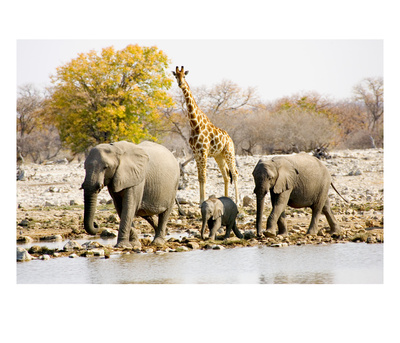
(275, 67)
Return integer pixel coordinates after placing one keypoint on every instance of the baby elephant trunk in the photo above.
(203, 227)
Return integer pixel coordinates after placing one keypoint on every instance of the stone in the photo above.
(73, 256)
(35, 249)
(218, 247)
(109, 233)
(25, 239)
(23, 255)
(74, 202)
(52, 238)
(182, 248)
(193, 245)
(247, 201)
(44, 257)
(98, 252)
(72, 245)
(249, 234)
(279, 245)
(92, 245)
(24, 222)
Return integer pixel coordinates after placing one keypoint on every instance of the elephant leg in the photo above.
(326, 210)
(313, 228)
(117, 200)
(127, 235)
(282, 228)
(279, 203)
(228, 231)
(160, 230)
(150, 220)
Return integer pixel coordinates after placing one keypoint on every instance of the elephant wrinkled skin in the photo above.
(298, 181)
(142, 181)
(219, 211)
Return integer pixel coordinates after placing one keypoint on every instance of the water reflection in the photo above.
(338, 263)
(308, 278)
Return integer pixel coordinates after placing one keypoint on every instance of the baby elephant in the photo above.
(298, 181)
(219, 211)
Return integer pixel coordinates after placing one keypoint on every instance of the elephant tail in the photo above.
(338, 192)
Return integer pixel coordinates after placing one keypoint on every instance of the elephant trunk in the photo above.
(90, 199)
(260, 210)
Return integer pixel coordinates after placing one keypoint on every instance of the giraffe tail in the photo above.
(230, 175)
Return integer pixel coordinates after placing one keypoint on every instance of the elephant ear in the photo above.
(131, 170)
(218, 209)
(286, 176)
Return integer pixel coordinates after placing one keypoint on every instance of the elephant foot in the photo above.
(336, 230)
(312, 232)
(124, 245)
(129, 245)
(158, 242)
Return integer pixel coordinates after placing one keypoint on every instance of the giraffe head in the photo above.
(180, 75)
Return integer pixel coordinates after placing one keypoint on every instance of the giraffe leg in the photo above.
(201, 161)
(230, 161)
(224, 171)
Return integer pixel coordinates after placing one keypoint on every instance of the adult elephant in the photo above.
(298, 181)
(142, 181)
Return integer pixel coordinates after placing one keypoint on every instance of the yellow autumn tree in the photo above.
(110, 96)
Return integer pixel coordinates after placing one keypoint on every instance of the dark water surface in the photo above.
(309, 264)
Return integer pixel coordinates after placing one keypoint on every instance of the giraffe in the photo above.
(207, 140)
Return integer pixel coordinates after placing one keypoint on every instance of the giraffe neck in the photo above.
(194, 112)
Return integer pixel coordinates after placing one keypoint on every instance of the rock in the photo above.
(73, 256)
(109, 233)
(92, 245)
(23, 255)
(249, 234)
(52, 238)
(182, 248)
(44, 257)
(73, 202)
(98, 252)
(218, 247)
(247, 201)
(35, 249)
(72, 245)
(62, 161)
(25, 239)
(355, 172)
(279, 245)
(24, 222)
(193, 245)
